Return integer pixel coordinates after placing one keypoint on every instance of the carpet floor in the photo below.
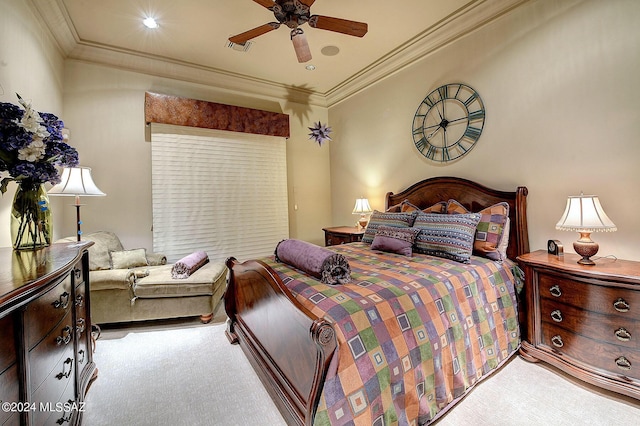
(187, 373)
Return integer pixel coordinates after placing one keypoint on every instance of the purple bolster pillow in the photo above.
(328, 266)
(189, 264)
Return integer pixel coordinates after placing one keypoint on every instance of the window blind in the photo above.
(217, 191)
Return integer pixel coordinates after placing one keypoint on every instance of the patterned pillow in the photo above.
(396, 220)
(448, 236)
(454, 207)
(492, 235)
(406, 206)
(395, 240)
(440, 207)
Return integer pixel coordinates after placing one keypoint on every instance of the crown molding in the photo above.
(473, 16)
(53, 15)
(444, 32)
(192, 73)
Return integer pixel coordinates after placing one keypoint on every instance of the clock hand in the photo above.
(438, 110)
(457, 119)
(430, 135)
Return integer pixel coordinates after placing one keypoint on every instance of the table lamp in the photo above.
(362, 208)
(76, 181)
(585, 215)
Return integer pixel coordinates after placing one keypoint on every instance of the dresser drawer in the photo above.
(591, 297)
(7, 343)
(82, 331)
(614, 359)
(50, 356)
(9, 392)
(610, 329)
(45, 312)
(57, 397)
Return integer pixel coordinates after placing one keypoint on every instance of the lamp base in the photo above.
(586, 248)
(362, 223)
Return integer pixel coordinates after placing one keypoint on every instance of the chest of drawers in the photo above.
(584, 320)
(45, 360)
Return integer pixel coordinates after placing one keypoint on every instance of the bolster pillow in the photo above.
(189, 264)
(328, 266)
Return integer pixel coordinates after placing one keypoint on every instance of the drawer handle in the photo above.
(78, 272)
(80, 326)
(79, 300)
(556, 315)
(622, 334)
(62, 302)
(555, 291)
(621, 305)
(64, 337)
(557, 341)
(63, 375)
(64, 419)
(623, 363)
(82, 353)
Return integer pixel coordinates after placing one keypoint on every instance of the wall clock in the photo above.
(448, 122)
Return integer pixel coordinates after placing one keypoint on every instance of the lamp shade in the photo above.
(76, 181)
(362, 206)
(585, 214)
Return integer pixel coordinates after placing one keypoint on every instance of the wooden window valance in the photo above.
(178, 111)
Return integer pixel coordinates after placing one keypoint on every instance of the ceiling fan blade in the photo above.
(266, 3)
(307, 2)
(343, 26)
(300, 45)
(258, 31)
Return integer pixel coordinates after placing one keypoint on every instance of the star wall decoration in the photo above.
(320, 133)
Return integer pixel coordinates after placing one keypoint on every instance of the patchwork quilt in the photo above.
(414, 333)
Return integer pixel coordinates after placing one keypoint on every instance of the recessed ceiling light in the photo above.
(310, 67)
(150, 23)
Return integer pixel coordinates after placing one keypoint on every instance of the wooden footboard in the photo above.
(289, 347)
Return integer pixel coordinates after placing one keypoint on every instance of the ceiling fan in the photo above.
(294, 13)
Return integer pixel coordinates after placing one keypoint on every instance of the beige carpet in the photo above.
(186, 373)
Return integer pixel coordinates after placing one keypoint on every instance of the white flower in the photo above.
(33, 152)
(31, 121)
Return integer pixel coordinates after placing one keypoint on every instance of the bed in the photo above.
(321, 366)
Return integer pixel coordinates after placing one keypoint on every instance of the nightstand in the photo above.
(341, 235)
(584, 320)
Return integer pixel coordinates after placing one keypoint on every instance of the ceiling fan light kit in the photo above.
(300, 45)
(294, 13)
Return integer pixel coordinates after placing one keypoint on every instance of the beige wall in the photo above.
(30, 65)
(559, 80)
(104, 108)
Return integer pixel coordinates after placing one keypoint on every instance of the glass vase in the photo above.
(31, 223)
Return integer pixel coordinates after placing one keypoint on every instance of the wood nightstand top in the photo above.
(605, 268)
(344, 230)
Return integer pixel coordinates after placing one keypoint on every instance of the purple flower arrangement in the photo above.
(31, 146)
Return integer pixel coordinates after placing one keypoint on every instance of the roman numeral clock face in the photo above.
(448, 122)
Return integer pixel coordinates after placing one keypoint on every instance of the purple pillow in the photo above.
(395, 240)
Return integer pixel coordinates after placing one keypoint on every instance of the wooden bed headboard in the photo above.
(474, 197)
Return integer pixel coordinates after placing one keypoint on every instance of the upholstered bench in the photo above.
(148, 292)
(199, 294)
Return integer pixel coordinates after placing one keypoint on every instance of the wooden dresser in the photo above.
(46, 361)
(584, 320)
